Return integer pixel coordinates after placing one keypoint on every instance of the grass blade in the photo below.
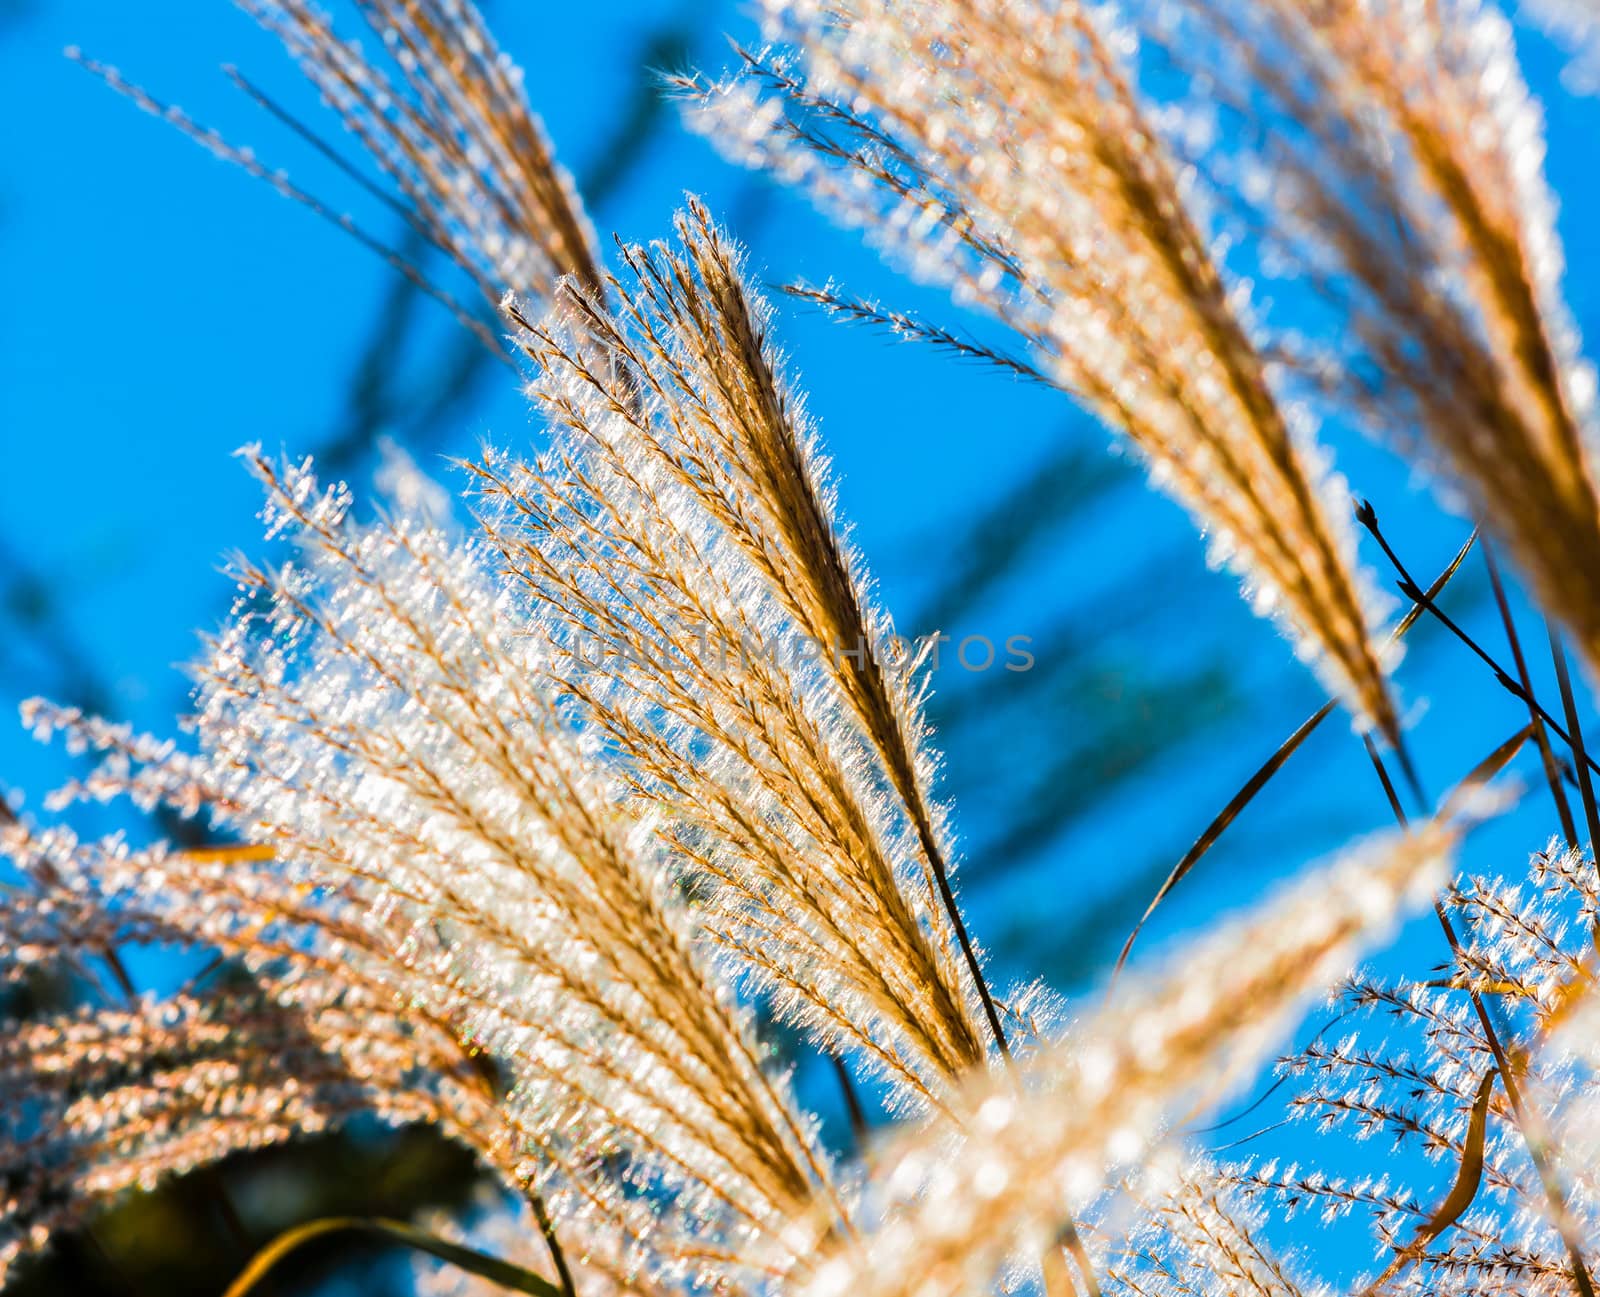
(1462, 1192)
(1273, 764)
(510, 1277)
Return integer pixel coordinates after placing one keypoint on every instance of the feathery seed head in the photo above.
(436, 838)
(1026, 1152)
(713, 626)
(1051, 199)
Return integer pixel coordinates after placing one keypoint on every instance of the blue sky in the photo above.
(162, 309)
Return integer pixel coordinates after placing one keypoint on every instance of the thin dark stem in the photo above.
(265, 101)
(558, 1258)
(252, 166)
(1388, 785)
(1528, 1120)
(942, 878)
(1569, 704)
(541, 1213)
(1552, 766)
(119, 971)
(1408, 768)
(859, 1126)
(1219, 825)
(858, 310)
(1408, 587)
(1274, 763)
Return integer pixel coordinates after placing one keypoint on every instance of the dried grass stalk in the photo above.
(717, 630)
(452, 130)
(441, 842)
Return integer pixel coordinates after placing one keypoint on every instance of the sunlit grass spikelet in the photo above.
(454, 133)
(1195, 1235)
(1409, 1067)
(717, 629)
(102, 1100)
(467, 163)
(1001, 148)
(530, 831)
(1035, 1153)
(1397, 158)
(442, 841)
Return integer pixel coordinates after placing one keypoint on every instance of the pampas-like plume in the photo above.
(103, 1102)
(476, 176)
(97, 1103)
(100, 1102)
(441, 840)
(719, 632)
(1035, 1152)
(1398, 157)
(455, 134)
(999, 145)
(503, 831)
(1197, 1236)
(479, 181)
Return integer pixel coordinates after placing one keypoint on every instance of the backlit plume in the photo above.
(1036, 1147)
(1001, 148)
(547, 817)
(463, 160)
(374, 719)
(1398, 158)
(718, 631)
(453, 133)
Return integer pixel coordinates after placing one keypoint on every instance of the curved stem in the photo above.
(510, 1277)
